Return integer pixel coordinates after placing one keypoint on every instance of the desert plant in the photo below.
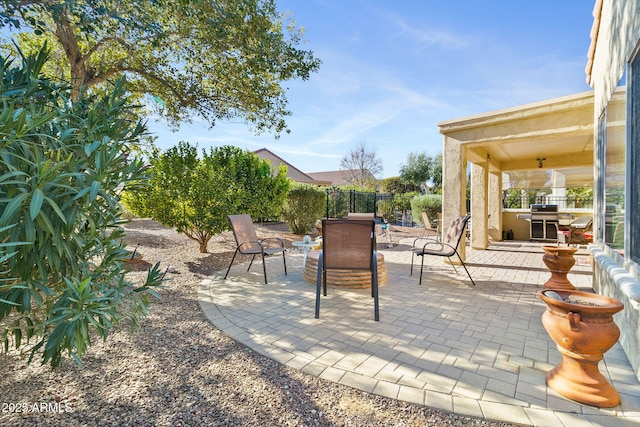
(62, 167)
(402, 202)
(305, 204)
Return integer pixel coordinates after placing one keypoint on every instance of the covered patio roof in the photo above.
(555, 134)
(559, 130)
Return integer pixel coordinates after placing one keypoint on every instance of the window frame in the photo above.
(632, 196)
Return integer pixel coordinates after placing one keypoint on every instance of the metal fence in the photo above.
(340, 203)
(523, 201)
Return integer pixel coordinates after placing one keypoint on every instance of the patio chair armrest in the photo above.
(249, 242)
(436, 242)
(427, 239)
(272, 238)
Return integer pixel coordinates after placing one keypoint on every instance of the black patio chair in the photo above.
(348, 244)
(249, 244)
(447, 247)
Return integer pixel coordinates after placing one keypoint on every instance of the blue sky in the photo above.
(391, 70)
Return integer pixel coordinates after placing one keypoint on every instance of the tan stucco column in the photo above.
(454, 184)
(479, 205)
(559, 189)
(495, 206)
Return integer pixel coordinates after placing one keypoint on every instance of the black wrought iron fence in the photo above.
(340, 203)
(524, 201)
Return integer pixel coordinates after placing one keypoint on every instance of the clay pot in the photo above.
(559, 261)
(583, 333)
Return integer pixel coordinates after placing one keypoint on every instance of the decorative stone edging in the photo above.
(628, 284)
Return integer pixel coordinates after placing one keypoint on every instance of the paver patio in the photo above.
(478, 351)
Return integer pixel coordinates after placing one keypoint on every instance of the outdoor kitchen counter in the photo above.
(563, 218)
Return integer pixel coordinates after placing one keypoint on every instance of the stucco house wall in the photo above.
(615, 35)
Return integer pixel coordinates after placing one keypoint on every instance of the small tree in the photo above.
(62, 167)
(579, 195)
(422, 168)
(436, 173)
(195, 194)
(429, 203)
(395, 185)
(361, 166)
(305, 204)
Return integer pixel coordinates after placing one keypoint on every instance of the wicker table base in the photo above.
(344, 278)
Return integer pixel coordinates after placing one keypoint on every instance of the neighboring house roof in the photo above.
(336, 178)
(332, 177)
(292, 172)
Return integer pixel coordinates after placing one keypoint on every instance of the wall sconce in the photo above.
(540, 160)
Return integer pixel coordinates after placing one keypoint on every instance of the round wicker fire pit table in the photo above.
(344, 278)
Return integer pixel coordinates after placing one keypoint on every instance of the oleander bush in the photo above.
(63, 165)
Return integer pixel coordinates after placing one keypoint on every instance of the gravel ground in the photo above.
(179, 370)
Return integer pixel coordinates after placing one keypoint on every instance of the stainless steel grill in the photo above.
(544, 222)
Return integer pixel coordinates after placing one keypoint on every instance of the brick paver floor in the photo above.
(473, 350)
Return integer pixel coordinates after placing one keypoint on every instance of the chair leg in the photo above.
(251, 263)
(412, 255)
(230, 264)
(318, 284)
(264, 269)
(324, 281)
(285, 263)
(374, 289)
(421, 267)
(465, 269)
(453, 265)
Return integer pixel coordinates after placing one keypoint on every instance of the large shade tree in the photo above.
(218, 59)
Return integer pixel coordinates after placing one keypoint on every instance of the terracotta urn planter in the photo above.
(582, 326)
(559, 261)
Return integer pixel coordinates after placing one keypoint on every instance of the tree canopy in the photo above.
(219, 59)
(396, 185)
(422, 168)
(196, 193)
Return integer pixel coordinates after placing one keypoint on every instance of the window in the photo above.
(633, 147)
(614, 171)
(599, 164)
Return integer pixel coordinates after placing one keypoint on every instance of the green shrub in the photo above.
(429, 203)
(63, 165)
(305, 204)
(402, 202)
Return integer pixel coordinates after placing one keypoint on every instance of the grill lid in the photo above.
(535, 208)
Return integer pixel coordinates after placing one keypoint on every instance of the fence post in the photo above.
(327, 203)
(375, 205)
